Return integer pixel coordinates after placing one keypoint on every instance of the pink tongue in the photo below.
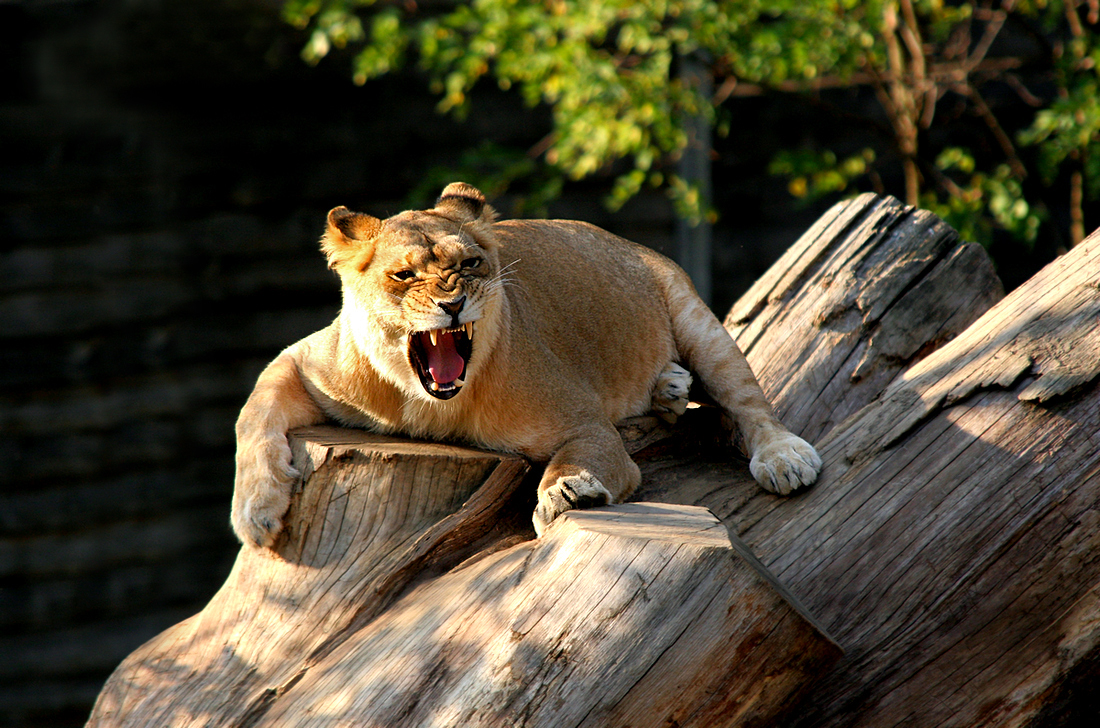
(444, 363)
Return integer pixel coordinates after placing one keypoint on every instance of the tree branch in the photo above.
(995, 128)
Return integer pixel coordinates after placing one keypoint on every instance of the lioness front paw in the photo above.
(261, 495)
(785, 464)
(567, 493)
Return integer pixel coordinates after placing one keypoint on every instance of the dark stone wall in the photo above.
(165, 169)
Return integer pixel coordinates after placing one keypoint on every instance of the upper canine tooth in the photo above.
(470, 330)
(434, 336)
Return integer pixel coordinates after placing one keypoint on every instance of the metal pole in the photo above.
(694, 242)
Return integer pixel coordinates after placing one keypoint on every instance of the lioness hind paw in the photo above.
(567, 493)
(785, 464)
(670, 394)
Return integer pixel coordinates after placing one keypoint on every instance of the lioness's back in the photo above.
(593, 299)
(591, 264)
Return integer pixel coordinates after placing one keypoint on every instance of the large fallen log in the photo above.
(948, 546)
(951, 543)
(631, 615)
(370, 520)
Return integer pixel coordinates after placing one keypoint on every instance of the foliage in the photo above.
(613, 74)
(982, 201)
(495, 170)
(1069, 131)
(816, 174)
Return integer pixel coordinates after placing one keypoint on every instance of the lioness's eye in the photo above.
(471, 263)
(402, 275)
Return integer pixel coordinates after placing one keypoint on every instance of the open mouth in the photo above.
(440, 357)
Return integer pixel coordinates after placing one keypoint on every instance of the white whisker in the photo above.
(503, 277)
(500, 280)
(506, 269)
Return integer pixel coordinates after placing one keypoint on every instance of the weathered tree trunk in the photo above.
(949, 547)
(375, 513)
(632, 615)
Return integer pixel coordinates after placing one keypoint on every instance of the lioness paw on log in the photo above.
(528, 336)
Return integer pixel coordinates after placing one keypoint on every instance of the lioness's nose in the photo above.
(452, 308)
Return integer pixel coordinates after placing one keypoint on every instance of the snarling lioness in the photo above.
(532, 337)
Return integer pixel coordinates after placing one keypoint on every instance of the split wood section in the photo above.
(634, 615)
(951, 546)
(370, 518)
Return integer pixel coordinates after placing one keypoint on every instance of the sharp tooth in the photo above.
(434, 336)
(435, 386)
(470, 330)
(460, 382)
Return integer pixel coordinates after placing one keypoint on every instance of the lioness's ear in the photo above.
(349, 235)
(465, 202)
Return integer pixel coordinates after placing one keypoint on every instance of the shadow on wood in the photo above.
(376, 512)
(635, 615)
(950, 544)
(638, 613)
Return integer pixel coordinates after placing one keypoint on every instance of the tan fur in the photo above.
(574, 330)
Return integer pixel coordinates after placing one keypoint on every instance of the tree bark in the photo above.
(951, 543)
(399, 596)
(949, 546)
(636, 615)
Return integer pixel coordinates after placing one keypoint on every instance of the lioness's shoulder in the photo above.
(575, 243)
(565, 229)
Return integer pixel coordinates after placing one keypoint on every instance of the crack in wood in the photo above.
(803, 257)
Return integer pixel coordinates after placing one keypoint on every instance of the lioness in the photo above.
(525, 336)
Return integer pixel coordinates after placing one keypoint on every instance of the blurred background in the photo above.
(166, 167)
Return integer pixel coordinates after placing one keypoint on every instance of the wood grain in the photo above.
(369, 613)
(368, 523)
(950, 545)
(872, 287)
(640, 615)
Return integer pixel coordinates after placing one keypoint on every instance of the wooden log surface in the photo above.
(640, 613)
(377, 513)
(870, 288)
(951, 543)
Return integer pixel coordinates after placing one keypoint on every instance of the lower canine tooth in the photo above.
(460, 382)
(435, 386)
